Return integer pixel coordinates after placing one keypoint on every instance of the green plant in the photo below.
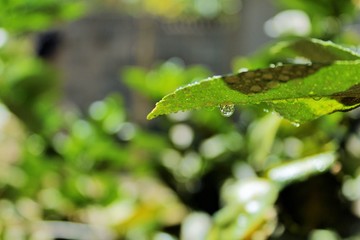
(249, 175)
(300, 92)
(325, 83)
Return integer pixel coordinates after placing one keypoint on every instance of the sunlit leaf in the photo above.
(248, 209)
(313, 49)
(302, 168)
(262, 133)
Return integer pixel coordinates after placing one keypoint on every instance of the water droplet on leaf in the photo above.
(227, 109)
(317, 98)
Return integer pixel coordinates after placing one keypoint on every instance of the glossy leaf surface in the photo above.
(298, 97)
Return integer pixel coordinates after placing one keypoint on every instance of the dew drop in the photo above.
(227, 109)
(317, 98)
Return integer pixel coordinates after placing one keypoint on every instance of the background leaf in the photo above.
(302, 168)
(301, 50)
(313, 49)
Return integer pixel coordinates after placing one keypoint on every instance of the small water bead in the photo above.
(290, 100)
(227, 109)
(317, 98)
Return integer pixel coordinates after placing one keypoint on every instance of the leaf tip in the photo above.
(154, 113)
(151, 116)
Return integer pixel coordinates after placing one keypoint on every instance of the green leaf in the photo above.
(316, 50)
(298, 92)
(296, 51)
(262, 132)
(163, 79)
(249, 203)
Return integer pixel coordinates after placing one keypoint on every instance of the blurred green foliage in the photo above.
(183, 9)
(164, 78)
(327, 17)
(258, 175)
(26, 16)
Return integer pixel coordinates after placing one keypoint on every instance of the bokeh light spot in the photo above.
(289, 22)
(181, 135)
(3, 37)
